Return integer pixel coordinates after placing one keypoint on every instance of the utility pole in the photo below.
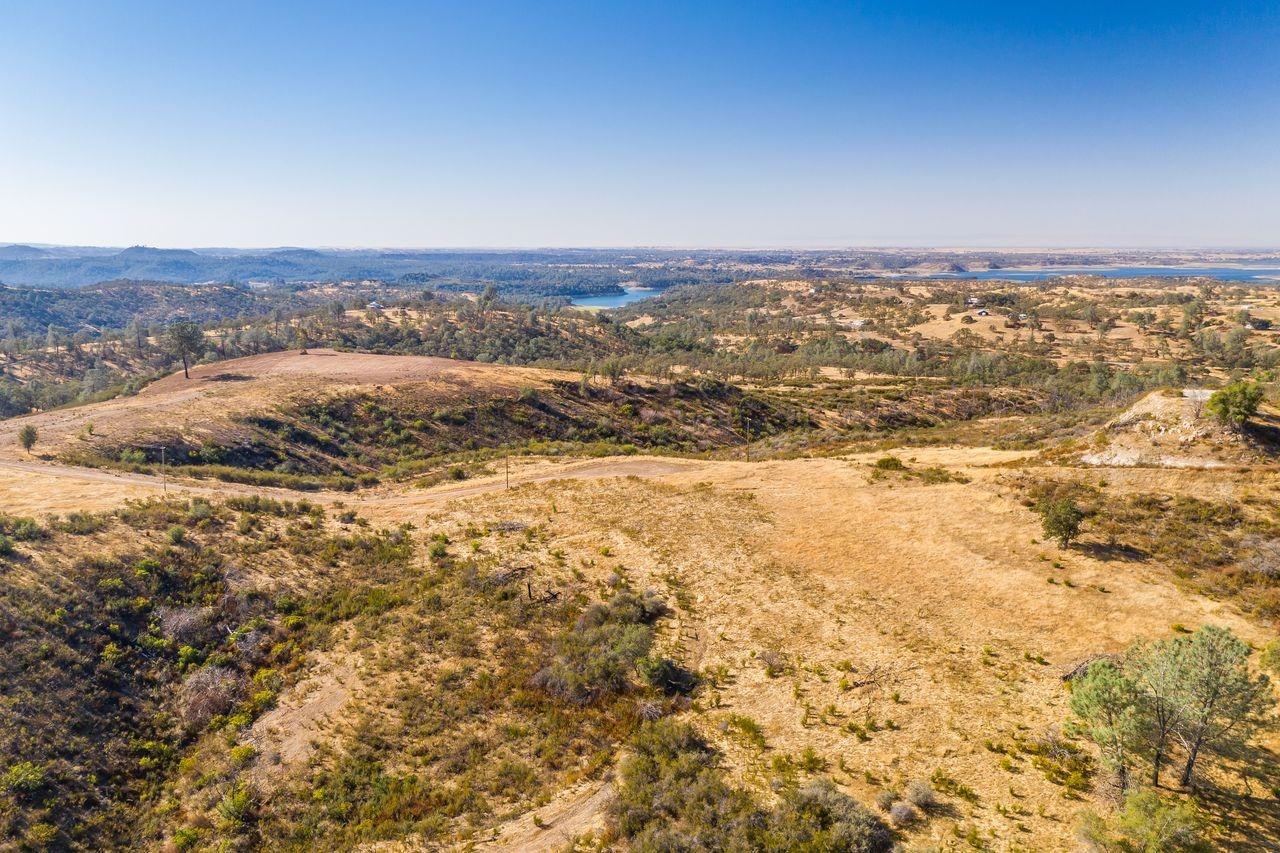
(164, 481)
(507, 459)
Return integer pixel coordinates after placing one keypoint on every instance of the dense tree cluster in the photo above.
(1180, 697)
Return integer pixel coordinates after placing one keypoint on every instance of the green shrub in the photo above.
(242, 754)
(187, 838)
(21, 529)
(746, 729)
(81, 523)
(1269, 659)
(25, 777)
(237, 806)
(1146, 823)
(667, 675)
(596, 658)
(810, 761)
(672, 795)
(594, 662)
(1061, 519)
(820, 817)
(1236, 403)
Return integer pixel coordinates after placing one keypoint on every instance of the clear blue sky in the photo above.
(595, 123)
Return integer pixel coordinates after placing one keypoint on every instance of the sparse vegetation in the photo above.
(27, 437)
(672, 795)
(237, 671)
(1061, 519)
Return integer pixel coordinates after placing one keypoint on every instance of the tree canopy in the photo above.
(1236, 403)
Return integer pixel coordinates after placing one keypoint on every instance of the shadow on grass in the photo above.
(1111, 551)
(1251, 815)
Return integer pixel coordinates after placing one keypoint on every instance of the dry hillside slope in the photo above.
(1172, 429)
(390, 663)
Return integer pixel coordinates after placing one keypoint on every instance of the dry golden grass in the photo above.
(204, 406)
(937, 596)
(933, 604)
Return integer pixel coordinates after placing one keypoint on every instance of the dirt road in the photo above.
(37, 488)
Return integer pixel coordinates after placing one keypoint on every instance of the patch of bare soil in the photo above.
(1170, 430)
(308, 713)
(573, 813)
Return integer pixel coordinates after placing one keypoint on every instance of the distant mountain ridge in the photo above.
(542, 272)
(19, 252)
(31, 266)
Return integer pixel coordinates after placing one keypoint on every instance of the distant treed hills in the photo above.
(115, 304)
(539, 273)
(533, 273)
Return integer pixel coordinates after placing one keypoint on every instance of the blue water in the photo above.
(1242, 273)
(613, 300)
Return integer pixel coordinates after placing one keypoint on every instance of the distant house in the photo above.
(983, 312)
(374, 306)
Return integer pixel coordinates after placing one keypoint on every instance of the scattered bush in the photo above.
(903, 813)
(921, 795)
(25, 777)
(597, 657)
(820, 817)
(21, 529)
(1235, 404)
(667, 675)
(207, 692)
(1061, 519)
(186, 625)
(672, 795)
(81, 523)
(775, 662)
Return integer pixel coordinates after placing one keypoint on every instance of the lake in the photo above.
(613, 300)
(1240, 273)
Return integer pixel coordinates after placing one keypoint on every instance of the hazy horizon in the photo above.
(868, 247)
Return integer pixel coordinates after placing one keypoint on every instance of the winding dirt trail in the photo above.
(36, 488)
